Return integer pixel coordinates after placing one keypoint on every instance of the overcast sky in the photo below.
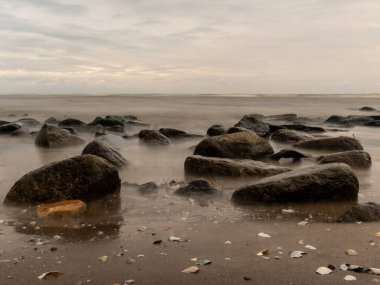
(198, 46)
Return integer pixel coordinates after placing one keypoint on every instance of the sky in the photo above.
(178, 46)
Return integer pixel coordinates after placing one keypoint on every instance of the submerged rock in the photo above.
(148, 188)
(198, 187)
(61, 209)
(107, 122)
(341, 143)
(330, 182)
(290, 136)
(237, 130)
(304, 128)
(368, 212)
(354, 158)
(152, 137)
(70, 122)
(52, 136)
(28, 122)
(283, 117)
(216, 130)
(9, 128)
(368, 109)
(85, 177)
(238, 145)
(253, 123)
(104, 150)
(288, 153)
(210, 166)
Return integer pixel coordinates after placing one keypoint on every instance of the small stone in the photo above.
(351, 252)
(247, 278)
(303, 223)
(323, 270)
(349, 278)
(103, 258)
(159, 241)
(263, 235)
(191, 269)
(288, 211)
(310, 247)
(297, 254)
(227, 242)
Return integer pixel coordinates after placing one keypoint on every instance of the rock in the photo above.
(368, 109)
(61, 208)
(115, 141)
(341, 143)
(4, 122)
(28, 122)
(375, 123)
(196, 188)
(52, 120)
(253, 123)
(22, 132)
(115, 129)
(354, 158)
(9, 128)
(330, 182)
(288, 153)
(52, 136)
(70, 122)
(85, 177)
(148, 188)
(176, 134)
(210, 166)
(368, 212)
(290, 136)
(216, 130)
(237, 130)
(107, 122)
(238, 145)
(303, 128)
(153, 137)
(104, 150)
(351, 120)
(274, 127)
(71, 130)
(283, 117)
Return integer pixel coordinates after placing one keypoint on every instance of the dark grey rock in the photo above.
(84, 177)
(148, 188)
(234, 130)
(176, 134)
(107, 122)
(104, 150)
(52, 136)
(216, 130)
(330, 182)
(354, 158)
(9, 128)
(28, 122)
(368, 109)
(212, 166)
(368, 212)
(341, 143)
(22, 132)
(152, 137)
(70, 122)
(52, 120)
(198, 187)
(288, 153)
(290, 136)
(283, 117)
(254, 123)
(238, 145)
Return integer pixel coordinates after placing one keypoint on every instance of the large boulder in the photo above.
(254, 123)
(341, 143)
(238, 145)
(290, 136)
(104, 150)
(52, 136)
(368, 212)
(212, 166)
(85, 177)
(198, 187)
(152, 137)
(330, 182)
(354, 158)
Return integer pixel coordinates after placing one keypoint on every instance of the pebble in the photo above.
(191, 269)
(351, 252)
(349, 278)
(323, 270)
(263, 235)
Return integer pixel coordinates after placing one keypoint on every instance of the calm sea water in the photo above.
(190, 113)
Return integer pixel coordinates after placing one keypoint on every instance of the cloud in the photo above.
(182, 46)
